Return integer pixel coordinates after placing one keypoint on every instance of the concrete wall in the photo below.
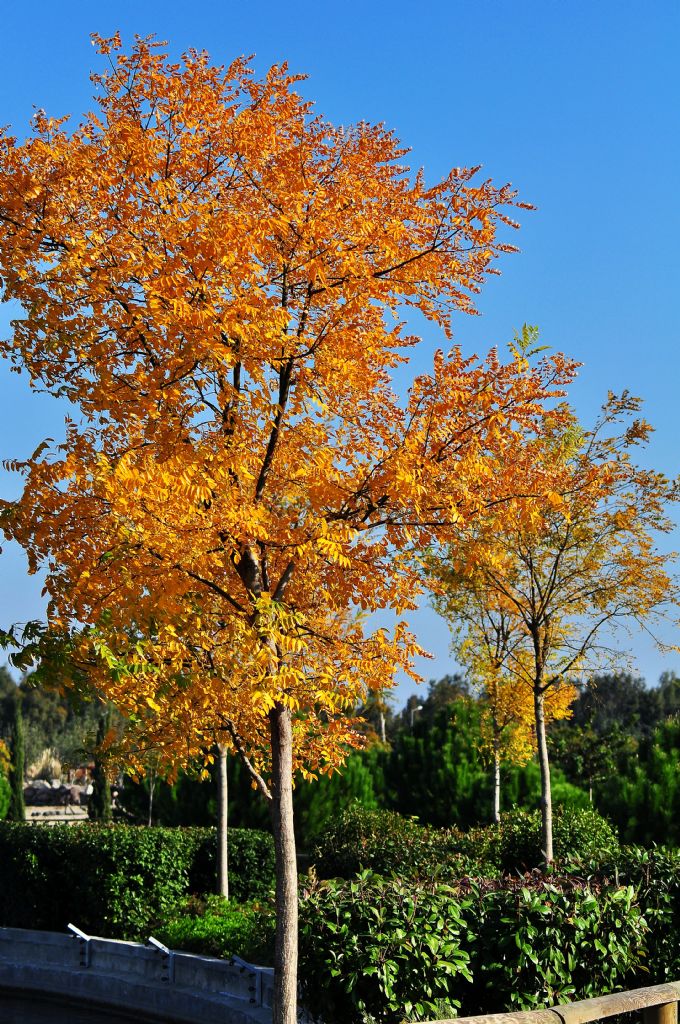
(131, 977)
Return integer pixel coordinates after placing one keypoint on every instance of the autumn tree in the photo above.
(487, 639)
(217, 279)
(544, 592)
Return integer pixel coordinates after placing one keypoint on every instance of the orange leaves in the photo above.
(218, 280)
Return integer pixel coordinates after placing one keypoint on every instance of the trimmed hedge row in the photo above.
(379, 949)
(117, 880)
(389, 844)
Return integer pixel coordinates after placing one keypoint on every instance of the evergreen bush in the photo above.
(115, 880)
(222, 928)
(381, 950)
(388, 844)
(539, 941)
(578, 834)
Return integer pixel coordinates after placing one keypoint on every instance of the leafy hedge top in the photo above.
(116, 880)
(389, 844)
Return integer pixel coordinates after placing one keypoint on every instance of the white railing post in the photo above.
(167, 958)
(83, 944)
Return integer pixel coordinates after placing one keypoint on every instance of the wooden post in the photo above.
(665, 1013)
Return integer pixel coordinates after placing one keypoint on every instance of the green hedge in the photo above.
(5, 797)
(579, 834)
(388, 844)
(117, 880)
(536, 942)
(251, 862)
(655, 875)
(382, 949)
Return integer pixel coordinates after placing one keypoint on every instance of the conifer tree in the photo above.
(17, 808)
(99, 805)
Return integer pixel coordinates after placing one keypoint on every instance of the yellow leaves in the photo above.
(333, 551)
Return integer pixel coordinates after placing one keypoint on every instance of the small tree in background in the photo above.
(583, 560)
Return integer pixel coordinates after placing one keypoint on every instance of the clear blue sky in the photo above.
(576, 103)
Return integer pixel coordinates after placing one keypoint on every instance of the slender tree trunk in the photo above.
(222, 824)
(381, 714)
(284, 1010)
(496, 782)
(544, 765)
(152, 786)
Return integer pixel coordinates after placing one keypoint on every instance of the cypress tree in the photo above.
(99, 804)
(17, 808)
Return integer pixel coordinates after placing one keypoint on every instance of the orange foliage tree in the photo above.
(215, 277)
(541, 591)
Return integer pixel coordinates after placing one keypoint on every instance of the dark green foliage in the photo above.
(17, 809)
(578, 834)
(99, 804)
(381, 949)
(251, 862)
(109, 880)
(389, 844)
(222, 928)
(538, 942)
(116, 880)
(318, 803)
(614, 700)
(187, 801)
(655, 875)
(193, 801)
(5, 797)
(436, 771)
(644, 800)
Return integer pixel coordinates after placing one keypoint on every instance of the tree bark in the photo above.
(284, 1010)
(496, 783)
(544, 765)
(222, 824)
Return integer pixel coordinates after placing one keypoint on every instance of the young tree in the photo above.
(582, 561)
(215, 277)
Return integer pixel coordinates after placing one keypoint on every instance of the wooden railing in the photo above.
(659, 1004)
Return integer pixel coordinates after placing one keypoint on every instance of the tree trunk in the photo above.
(284, 1010)
(152, 786)
(544, 765)
(496, 782)
(222, 824)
